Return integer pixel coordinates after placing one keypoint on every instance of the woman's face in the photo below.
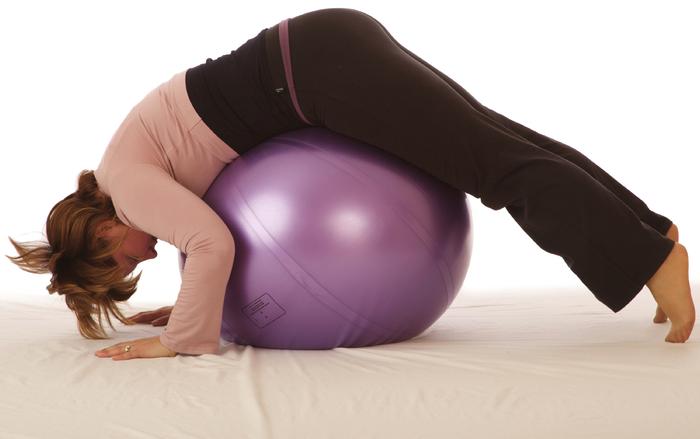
(136, 247)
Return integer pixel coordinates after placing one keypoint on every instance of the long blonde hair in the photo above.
(81, 263)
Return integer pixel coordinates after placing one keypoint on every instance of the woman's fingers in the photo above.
(138, 318)
(155, 317)
(150, 347)
(144, 316)
(161, 321)
(163, 316)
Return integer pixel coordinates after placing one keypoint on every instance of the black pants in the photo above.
(353, 78)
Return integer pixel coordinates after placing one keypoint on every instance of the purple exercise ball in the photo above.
(338, 244)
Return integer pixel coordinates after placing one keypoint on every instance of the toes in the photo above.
(679, 335)
(660, 316)
(675, 338)
(660, 319)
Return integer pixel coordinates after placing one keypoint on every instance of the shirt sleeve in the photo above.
(155, 203)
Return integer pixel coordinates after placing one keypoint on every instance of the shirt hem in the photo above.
(193, 122)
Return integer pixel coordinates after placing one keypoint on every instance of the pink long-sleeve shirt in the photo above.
(157, 167)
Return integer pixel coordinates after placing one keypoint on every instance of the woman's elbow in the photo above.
(228, 245)
(224, 245)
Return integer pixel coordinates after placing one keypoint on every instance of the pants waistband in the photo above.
(279, 64)
(274, 59)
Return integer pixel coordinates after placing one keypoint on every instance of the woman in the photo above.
(340, 69)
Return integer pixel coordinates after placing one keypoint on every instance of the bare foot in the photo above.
(660, 316)
(670, 287)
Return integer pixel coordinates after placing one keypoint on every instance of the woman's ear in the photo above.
(104, 227)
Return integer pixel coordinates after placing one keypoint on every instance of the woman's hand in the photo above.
(159, 317)
(150, 347)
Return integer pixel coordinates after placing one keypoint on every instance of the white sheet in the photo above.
(508, 364)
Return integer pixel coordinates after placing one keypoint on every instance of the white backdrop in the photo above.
(616, 80)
